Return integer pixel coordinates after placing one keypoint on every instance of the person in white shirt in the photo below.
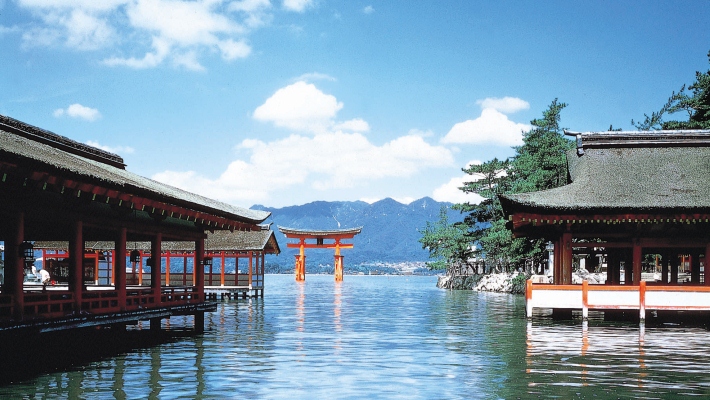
(44, 277)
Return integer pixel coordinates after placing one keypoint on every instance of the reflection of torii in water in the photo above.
(320, 237)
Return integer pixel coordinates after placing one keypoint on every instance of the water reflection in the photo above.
(384, 337)
(621, 360)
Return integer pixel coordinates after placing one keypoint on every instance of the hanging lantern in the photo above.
(27, 251)
(135, 256)
(207, 261)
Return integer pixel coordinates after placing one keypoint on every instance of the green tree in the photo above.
(696, 104)
(448, 244)
(539, 163)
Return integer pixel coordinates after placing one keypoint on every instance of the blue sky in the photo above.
(283, 102)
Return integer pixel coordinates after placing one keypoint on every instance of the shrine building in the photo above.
(54, 189)
(637, 209)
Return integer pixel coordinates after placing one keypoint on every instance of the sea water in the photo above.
(388, 337)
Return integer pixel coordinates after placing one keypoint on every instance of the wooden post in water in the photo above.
(338, 263)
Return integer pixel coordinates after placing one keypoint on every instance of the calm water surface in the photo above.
(391, 337)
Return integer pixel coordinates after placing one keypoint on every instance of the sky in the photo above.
(285, 102)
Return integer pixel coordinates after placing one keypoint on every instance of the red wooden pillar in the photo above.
(636, 264)
(156, 252)
(301, 262)
(338, 262)
(199, 268)
(120, 268)
(76, 267)
(15, 265)
(167, 268)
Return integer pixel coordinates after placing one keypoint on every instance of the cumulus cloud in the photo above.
(334, 155)
(297, 5)
(111, 149)
(506, 105)
(368, 10)
(451, 192)
(492, 126)
(315, 76)
(300, 106)
(249, 5)
(177, 31)
(325, 161)
(76, 110)
(354, 125)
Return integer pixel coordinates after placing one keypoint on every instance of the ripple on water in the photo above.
(390, 337)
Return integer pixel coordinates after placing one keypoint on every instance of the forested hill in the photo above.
(390, 230)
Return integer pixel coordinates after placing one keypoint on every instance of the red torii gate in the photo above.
(336, 235)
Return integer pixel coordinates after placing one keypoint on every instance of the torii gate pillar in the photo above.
(301, 263)
(319, 236)
(338, 262)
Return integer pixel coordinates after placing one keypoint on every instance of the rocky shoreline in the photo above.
(507, 282)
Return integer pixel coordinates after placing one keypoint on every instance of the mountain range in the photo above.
(388, 241)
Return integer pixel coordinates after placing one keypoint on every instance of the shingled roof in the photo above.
(257, 240)
(657, 171)
(52, 153)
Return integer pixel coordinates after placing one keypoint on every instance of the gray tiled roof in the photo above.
(632, 172)
(119, 179)
(257, 240)
(312, 232)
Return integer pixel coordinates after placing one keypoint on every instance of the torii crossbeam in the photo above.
(326, 239)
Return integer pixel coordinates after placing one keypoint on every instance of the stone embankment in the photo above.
(508, 282)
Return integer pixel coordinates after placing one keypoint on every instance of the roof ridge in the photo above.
(60, 142)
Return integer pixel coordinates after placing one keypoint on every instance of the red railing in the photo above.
(59, 303)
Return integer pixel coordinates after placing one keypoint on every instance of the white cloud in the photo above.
(87, 5)
(325, 161)
(353, 125)
(492, 127)
(249, 6)
(76, 110)
(110, 149)
(368, 10)
(297, 5)
(315, 76)
(450, 191)
(180, 31)
(300, 106)
(232, 50)
(505, 105)
(161, 50)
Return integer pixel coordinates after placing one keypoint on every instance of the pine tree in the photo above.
(696, 105)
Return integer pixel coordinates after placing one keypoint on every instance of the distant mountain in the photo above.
(390, 230)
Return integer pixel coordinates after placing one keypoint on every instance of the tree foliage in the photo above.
(695, 102)
(539, 163)
(448, 244)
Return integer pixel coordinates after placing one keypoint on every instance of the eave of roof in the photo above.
(311, 232)
(57, 161)
(258, 240)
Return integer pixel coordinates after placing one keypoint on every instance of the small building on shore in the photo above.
(637, 208)
(54, 189)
